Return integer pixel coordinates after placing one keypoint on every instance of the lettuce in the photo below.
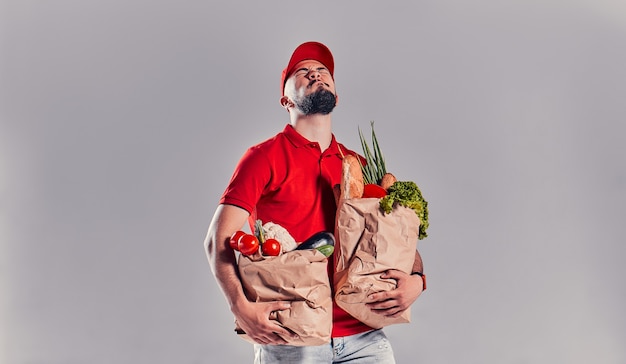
(409, 195)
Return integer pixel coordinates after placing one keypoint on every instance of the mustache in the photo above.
(312, 82)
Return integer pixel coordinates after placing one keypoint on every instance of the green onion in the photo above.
(374, 169)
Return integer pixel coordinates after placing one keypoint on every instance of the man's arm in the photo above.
(252, 317)
(418, 266)
(409, 287)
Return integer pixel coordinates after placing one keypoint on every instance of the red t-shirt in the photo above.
(288, 180)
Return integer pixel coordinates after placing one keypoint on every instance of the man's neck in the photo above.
(316, 128)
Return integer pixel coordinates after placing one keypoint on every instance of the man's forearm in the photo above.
(222, 260)
(418, 266)
(224, 268)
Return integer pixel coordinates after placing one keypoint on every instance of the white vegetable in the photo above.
(275, 231)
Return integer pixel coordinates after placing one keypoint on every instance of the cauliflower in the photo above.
(275, 231)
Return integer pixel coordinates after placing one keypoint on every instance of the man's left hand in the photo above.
(394, 302)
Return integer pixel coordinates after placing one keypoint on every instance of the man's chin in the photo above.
(322, 101)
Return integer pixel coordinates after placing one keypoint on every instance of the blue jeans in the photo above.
(368, 347)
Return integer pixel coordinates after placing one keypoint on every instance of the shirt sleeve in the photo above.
(251, 176)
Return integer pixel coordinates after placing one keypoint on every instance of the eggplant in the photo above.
(316, 240)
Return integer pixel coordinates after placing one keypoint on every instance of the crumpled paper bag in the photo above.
(299, 276)
(369, 242)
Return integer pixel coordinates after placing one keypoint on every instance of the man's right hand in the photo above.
(255, 319)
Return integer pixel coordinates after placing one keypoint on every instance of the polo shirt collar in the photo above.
(294, 137)
(299, 141)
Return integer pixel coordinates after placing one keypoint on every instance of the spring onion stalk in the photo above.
(374, 168)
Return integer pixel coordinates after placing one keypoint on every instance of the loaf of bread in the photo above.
(351, 178)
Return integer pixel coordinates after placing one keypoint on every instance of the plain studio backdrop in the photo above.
(122, 121)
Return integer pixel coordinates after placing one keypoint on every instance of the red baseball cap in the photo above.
(309, 50)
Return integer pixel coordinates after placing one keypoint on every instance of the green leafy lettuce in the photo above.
(409, 195)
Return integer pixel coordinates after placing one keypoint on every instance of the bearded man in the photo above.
(288, 180)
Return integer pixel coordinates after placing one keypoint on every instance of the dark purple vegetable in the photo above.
(316, 240)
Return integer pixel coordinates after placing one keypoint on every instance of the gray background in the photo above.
(121, 122)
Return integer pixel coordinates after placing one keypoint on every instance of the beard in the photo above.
(320, 102)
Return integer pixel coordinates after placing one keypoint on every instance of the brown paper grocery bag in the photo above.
(369, 242)
(299, 276)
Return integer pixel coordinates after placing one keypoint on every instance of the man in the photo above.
(289, 180)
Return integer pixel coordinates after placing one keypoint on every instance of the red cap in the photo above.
(309, 50)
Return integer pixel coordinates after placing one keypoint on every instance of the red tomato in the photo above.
(373, 190)
(234, 239)
(271, 247)
(248, 244)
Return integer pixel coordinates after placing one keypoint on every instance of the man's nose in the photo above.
(313, 74)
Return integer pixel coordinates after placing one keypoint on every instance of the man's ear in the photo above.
(336, 99)
(286, 103)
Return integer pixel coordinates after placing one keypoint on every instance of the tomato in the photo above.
(271, 247)
(234, 239)
(373, 190)
(248, 244)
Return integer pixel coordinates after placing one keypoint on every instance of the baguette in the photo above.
(351, 178)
